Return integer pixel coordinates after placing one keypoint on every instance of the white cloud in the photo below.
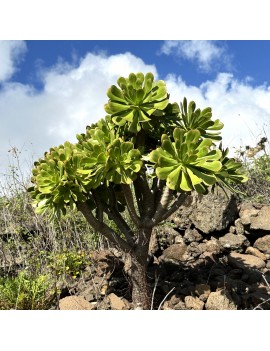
(202, 52)
(10, 53)
(244, 109)
(72, 97)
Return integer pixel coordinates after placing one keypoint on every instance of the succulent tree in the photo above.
(145, 157)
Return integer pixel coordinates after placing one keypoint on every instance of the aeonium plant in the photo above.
(144, 158)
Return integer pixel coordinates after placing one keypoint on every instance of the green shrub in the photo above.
(26, 292)
(68, 263)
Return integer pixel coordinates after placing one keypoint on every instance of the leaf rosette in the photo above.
(187, 163)
(124, 162)
(191, 118)
(231, 171)
(136, 101)
(107, 158)
(56, 184)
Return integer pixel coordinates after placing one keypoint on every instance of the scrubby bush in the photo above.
(26, 292)
(256, 164)
(71, 262)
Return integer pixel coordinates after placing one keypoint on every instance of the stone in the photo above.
(215, 211)
(176, 252)
(104, 261)
(193, 303)
(234, 242)
(263, 244)
(174, 300)
(202, 291)
(220, 300)
(166, 236)
(247, 212)
(193, 249)
(239, 228)
(179, 240)
(212, 246)
(174, 303)
(232, 229)
(245, 261)
(104, 304)
(118, 303)
(75, 303)
(253, 251)
(181, 218)
(255, 216)
(180, 306)
(89, 294)
(166, 306)
(192, 235)
(262, 220)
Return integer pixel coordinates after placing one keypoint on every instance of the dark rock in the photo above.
(202, 291)
(213, 246)
(194, 249)
(239, 228)
(263, 244)
(214, 211)
(234, 242)
(192, 235)
(247, 213)
(262, 220)
(118, 303)
(253, 251)
(255, 217)
(245, 261)
(176, 252)
(166, 236)
(174, 303)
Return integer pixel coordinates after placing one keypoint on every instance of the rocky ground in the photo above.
(213, 255)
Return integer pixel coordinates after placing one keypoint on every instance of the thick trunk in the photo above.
(140, 290)
(136, 267)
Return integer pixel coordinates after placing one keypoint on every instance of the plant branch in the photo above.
(102, 228)
(99, 206)
(130, 204)
(121, 224)
(148, 196)
(163, 205)
(158, 190)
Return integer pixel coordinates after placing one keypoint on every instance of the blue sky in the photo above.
(241, 57)
(50, 90)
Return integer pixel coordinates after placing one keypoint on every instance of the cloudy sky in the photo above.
(50, 90)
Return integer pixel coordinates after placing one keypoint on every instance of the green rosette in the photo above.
(56, 183)
(187, 163)
(191, 118)
(136, 101)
